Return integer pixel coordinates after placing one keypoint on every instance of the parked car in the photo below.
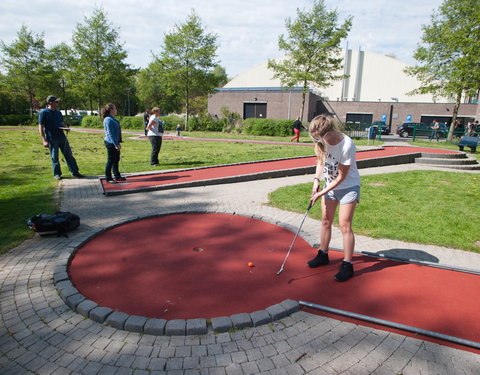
(421, 129)
(382, 125)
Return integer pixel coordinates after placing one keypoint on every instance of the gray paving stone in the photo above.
(67, 292)
(117, 319)
(222, 324)
(85, 307)
(291, 306)
(99, 314)
(135, 323)
(175, 327)
(260, 317)
(74, 300)
(276, 311)
(242, 320)
(196, 327)
(60, 276)
(155, 327)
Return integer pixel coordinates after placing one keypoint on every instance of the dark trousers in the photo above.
(113, 158)
(156, 143)
(54, 146)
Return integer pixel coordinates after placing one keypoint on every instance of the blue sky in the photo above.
(247, 30)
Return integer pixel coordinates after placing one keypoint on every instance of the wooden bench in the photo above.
(467, 141)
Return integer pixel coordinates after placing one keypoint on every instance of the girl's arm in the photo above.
(342, 174)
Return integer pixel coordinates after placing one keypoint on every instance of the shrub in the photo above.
(205, 122)
(132, 122)
(171, 122)
(95, 122)
(17, 120)
(271, 127)
(232, 121)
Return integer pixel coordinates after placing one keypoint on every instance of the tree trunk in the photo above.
(304, 93)
(31, 105)
(454, 115)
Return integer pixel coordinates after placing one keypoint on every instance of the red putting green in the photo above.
(151, 181)
(195, 265)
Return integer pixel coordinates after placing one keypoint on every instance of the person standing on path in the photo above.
(112, 140)
(51, 129)
(435, 127)
(297, 128)
(336, 162)
(155, 134)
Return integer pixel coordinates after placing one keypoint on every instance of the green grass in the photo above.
(428, 207)
(27, 186)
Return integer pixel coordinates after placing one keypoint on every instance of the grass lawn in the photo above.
(27, 186)
(429, 207)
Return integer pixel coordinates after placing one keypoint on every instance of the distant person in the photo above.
(337, 166)
(146, 119)
(51, 128)
(155, 134)
(435, 127)
(297, 128)
(112, 140)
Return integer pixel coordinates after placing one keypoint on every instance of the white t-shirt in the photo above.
(341, 153)
(155, 130)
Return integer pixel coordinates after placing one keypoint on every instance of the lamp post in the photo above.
(395, 99)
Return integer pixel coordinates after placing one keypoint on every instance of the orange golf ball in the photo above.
(250, 264)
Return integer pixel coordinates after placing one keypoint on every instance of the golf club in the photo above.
(310, 204)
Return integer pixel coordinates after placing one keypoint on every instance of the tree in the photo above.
(448, 60)
(153, 90)
(187, 61)
(60, 59)
(221, 74)
(100, 73)
(312, 47)
(24, 61)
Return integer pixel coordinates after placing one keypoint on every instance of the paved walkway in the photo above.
(39, 334)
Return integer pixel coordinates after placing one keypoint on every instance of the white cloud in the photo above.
(247, 30)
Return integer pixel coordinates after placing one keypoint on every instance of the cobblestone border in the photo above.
(161, 327)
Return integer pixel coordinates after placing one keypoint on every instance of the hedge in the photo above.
(17, 120)
(272, 127)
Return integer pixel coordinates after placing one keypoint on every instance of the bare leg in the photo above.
(345, 221)
(328, 213)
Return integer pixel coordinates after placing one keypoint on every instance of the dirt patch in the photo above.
(377, 184)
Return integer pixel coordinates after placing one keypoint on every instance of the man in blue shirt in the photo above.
(50, 126)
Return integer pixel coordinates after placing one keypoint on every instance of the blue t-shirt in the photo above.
(52, 121)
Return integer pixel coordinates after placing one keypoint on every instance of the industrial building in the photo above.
(375, 88)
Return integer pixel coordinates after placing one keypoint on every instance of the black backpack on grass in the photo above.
(58, 224)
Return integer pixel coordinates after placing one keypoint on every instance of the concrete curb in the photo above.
(160, 327)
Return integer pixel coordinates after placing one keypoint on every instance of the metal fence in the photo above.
(361, 130)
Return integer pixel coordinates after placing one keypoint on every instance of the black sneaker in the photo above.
(119, 179)
(78, 175)
(320, 260)
(345, 273)
(111, 181)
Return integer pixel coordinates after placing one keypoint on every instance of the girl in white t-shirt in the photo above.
(337, 167)
(155, 134)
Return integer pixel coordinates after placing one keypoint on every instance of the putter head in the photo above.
(280, 271)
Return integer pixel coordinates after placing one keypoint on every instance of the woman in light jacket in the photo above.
(113, 140)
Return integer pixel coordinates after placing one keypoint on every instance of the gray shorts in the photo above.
(344, 196)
